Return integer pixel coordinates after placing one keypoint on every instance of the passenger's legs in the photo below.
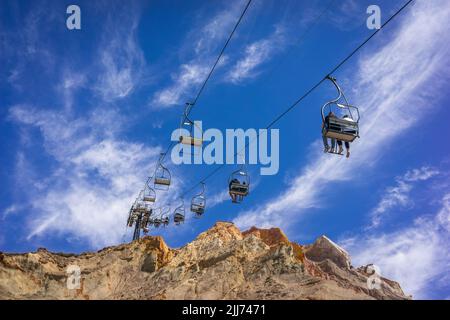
(347, 146)
(339, 142)
(325, 143)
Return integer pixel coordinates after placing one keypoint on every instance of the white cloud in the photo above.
(71, 81)
(256, 54)
(420, 174)
(217, 199)
(217, 28)
(122, 62)
(207, 40)
(387, 88)
(399, 195)
(417, 257)
(348, 14)
(11, 210)
(183, 82)
(96, 178)
(24, 45)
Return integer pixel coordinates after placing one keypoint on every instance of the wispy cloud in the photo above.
(385, 87)
(121, 59)
(95, 179)
(399, 195)
(208, 38)
(416, 256)
(189, 75)
(71, 81)
(10, 210)
(217, 199)
(255, 54)
(348, 15)
(25, 47)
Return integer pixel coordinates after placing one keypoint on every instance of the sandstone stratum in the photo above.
(221, 263)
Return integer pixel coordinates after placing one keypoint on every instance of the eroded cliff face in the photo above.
(222, 263)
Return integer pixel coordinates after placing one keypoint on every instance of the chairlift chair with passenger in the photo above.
(179, 214)
(344, 128)
(165, 211)
(239, 184)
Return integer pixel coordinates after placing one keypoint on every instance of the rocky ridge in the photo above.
(221, 263)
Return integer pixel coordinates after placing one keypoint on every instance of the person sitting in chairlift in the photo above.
(347, 144)
(325, 139)
(232, 194)
(349, 119)
(241, 197)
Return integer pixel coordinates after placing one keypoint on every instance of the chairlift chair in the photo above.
(179, 214)
(164, 217)
(146, 218)
(149, 195)
(156, 222)
(198, 203)
(239, 184)
(190, 125)
(141, 207)
(162, 177)
(131, 217)
(346, 128)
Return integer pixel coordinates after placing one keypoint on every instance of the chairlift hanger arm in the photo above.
(203, 189)
(335, 100)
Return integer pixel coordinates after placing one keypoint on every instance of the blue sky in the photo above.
(84, 115)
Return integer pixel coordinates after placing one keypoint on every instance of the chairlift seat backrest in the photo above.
(178, 218)
(341, 129)
(239, 189)
(197, 208)
(157, 222)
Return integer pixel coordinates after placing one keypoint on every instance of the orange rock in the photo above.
(271, 237)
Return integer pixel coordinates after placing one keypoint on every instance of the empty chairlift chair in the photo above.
(340, 119)
(179, 214)
(162, 178)
(198, 203)
(239, 185)
(149, 195)
(190, 126)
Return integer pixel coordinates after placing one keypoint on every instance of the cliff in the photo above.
(221, 263)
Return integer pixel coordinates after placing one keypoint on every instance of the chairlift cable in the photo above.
(221, 53)
(203, 85)
(303, 36)
(314, 87)
(292, 106)
(214, 65)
